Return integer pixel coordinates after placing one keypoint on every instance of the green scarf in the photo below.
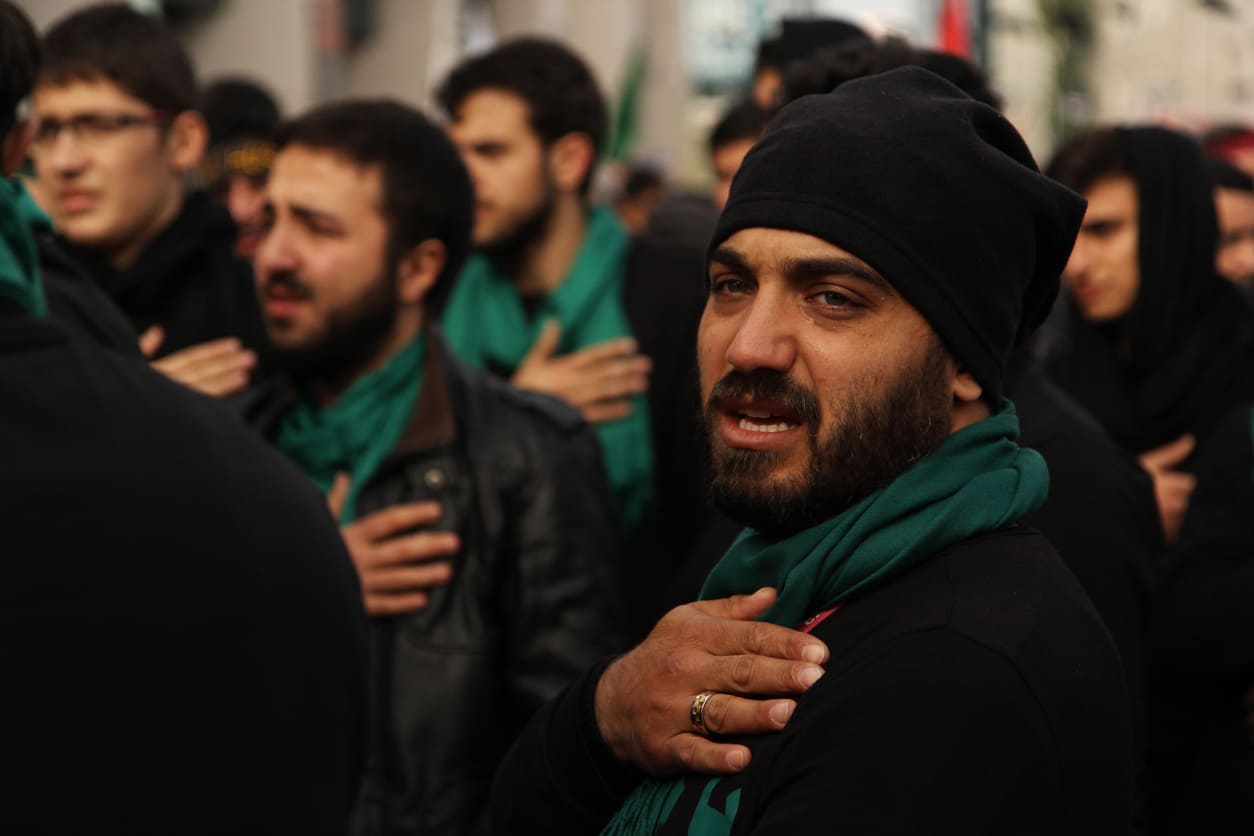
(485, 323)
(20, 220)
(357, 433)
(978, 480)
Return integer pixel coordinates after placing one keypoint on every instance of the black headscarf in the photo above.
(1184, 352)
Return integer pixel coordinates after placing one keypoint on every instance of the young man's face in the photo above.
(1235, 257)
(821, 382)
(1104, 271)
(327, 291)
(111, 186)
(508, 166)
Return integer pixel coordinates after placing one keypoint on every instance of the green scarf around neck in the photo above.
(356, 433)
(978, 480)
(20, 221)
(485, 324)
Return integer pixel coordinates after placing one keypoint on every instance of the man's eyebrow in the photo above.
(817, 268)
(729, 257)
(310, 215)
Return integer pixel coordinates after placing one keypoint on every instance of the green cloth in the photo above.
(486, 324)
(978, 480)
(357, 432)
(20, 221)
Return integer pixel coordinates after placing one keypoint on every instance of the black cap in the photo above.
(934, 190)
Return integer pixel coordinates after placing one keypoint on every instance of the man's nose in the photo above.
(62, 154)
(766, 337)
(275, 252)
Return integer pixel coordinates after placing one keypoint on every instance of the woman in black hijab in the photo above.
(1151, 339)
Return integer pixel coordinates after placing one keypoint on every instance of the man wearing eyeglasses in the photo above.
(117, 131)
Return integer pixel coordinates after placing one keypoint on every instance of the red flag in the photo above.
(954, 33)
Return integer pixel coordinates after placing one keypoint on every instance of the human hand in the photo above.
(1172, 489)
(643, 698)
(396, 566)
(218, 368)
(598, 380)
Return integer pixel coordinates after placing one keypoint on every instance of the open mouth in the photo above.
(760, 421)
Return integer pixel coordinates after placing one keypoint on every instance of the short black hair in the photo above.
(641, 177)
(115, 43)
(768, 55)
(561, 95)
(1225, 175)
(827, 69)
(1087, 158)
(20, 47)
(238, 108)
(744, 120)
(426, 189)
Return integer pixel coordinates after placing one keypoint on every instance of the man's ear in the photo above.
(186, 142)
(570, 160)
(16, 143)
(418, 271)
(966, 389)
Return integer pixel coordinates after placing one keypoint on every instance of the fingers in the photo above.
(338, 494)
(611, 380)
(1173, 491)
(727, 714)
(600, 413)
(407, 578)
(741, 607)
(416, 547)
(150, 341)
(546, 344)
(696, 754)
(383, 605)
(724, 634)
(382, 525)
(594, 355)
(760, 675)
(1169, 455)
(217, 369)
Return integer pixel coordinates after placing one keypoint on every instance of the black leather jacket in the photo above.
(534, 599)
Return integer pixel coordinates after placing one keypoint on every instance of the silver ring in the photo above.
(696, 713)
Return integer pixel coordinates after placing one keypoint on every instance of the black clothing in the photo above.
(913, 152)
(181, 632)
(188, 281)
(1181, 357)
(1101, 516)
(78, 303)
(1203, 644)
(978, 693)
(534, 597)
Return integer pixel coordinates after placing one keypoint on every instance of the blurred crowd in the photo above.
(339, 444)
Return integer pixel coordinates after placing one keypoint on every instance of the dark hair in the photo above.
(641, 177)
(1225, 175)
(768, 56)
(114, 42)
(1087, 158)
(827, 69)
(20, 47)
(426, 189)
(744, 120)
(561, 95)
(237, 108)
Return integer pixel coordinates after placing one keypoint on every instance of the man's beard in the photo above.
(351, 338)
(873, 441)
(509, 247)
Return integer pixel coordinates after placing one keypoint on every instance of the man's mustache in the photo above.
(765, 386)
(288, 282)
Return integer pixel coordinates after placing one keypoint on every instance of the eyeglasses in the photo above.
(89, 128)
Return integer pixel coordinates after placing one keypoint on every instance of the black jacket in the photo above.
(978, 693)
(79, 303)
(181, 635)
(1202, 764)
(188, 281)
(534, 597)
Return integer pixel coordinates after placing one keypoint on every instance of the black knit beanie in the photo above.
(934, 190)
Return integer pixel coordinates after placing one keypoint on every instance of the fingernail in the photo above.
(814, 653)
(810, 675)
(780, 713)
(736, 760)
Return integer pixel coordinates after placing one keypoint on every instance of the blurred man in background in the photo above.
(118, 132)
(477, 516)
(560, 299)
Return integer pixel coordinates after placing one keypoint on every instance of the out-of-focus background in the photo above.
(670, 67)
